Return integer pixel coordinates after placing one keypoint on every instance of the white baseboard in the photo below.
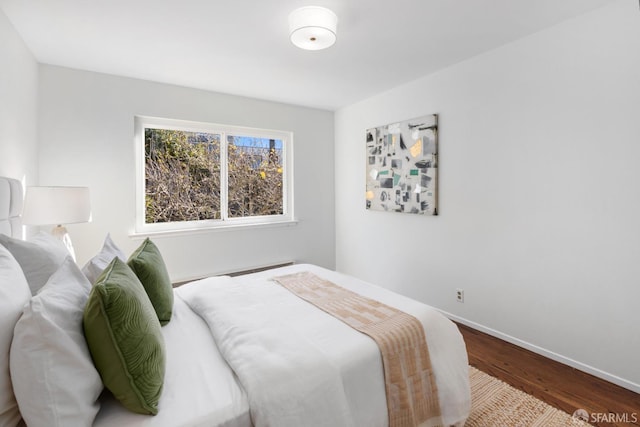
(549, 354)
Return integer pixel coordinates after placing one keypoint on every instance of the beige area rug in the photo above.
(497, 404)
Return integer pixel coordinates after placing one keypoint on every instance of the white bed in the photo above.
(200, 388)
(308, 368)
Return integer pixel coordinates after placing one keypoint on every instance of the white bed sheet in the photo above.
(355, 355)
(200, 389)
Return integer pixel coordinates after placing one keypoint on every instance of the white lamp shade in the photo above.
(312, 27)
(56, 205)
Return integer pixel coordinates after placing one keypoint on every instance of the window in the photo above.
(200, 175)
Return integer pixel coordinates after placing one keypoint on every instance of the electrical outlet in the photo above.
(460, 295)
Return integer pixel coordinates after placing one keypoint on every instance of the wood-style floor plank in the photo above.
(557, 384)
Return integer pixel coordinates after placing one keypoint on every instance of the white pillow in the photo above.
(96, 265)
(14, 294)
(54, 379)
(39, 258)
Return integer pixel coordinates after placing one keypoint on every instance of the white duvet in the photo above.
(200, 390)
(301, 367)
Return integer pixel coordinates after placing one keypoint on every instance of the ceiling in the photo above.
(241, 47)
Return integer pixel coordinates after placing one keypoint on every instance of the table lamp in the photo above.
(57, 206)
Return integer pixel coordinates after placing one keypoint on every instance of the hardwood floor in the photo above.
(559, 385)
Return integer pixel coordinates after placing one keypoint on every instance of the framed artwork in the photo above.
(402, 166)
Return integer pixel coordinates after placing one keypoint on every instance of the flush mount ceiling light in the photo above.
(312, 27)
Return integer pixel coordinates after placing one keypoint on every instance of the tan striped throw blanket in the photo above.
(412, 398)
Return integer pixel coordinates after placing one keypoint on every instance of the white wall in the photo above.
(86, 138)
(18, 106)
(539, 193)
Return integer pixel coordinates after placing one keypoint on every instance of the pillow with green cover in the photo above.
(147, 263)
(125, 338)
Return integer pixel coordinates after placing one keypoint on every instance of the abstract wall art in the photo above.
(402, 166)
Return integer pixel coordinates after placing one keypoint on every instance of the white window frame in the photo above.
(145, 229)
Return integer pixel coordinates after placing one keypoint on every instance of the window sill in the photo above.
(212, 229)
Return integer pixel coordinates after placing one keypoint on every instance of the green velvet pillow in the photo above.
(125, 339)
(149, 266)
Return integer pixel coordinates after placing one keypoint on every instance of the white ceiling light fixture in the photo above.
(312, 27)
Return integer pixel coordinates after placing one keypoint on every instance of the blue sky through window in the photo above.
(245, 141)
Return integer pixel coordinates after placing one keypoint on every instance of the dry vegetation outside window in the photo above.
(184, 174)
(255, 176)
